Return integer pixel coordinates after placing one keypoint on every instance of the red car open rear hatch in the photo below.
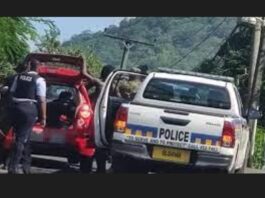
(58, 68)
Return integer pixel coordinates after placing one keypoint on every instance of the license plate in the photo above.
(36, 137)
(171, 155)
(57, 138)
(49, 136)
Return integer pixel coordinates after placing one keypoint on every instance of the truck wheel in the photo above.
(244, 166)
(127, 165)
(86, 164)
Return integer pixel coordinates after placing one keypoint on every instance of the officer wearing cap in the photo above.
(27, 91)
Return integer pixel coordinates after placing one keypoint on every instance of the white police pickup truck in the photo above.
(175, 119)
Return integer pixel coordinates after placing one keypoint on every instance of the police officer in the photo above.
(144, 69)
(101, 155)
(27, 91)
(6, 109)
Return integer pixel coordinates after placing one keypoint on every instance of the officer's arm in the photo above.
(41, 92)
(43, 107)
(94, 80)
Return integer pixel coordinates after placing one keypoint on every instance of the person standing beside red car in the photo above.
(27, 92)
(101, 155)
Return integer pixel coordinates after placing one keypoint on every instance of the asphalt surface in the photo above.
(42, 164)
(53, 165)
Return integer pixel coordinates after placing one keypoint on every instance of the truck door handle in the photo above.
(174, 121)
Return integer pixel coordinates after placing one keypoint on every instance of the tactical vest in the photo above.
(26, 86)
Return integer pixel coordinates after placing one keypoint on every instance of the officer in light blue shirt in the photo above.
(27, 91)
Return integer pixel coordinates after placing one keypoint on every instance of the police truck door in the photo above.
(120, 87)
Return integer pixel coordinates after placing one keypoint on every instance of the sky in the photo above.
(70, 26)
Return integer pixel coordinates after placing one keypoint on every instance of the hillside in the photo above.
(173, 38)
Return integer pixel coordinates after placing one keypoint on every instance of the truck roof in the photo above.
(191, 78)
(199, 74)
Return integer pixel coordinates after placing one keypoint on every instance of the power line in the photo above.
(231, 33)
(200, 43)
(221, 44)
(197, 31)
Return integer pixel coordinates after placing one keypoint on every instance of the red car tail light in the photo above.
(121, 118)
(228, 135)
(85, 112)
(84, 116)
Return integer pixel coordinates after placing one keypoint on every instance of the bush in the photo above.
(258, 157)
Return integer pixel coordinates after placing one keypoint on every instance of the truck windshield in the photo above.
(187, 93)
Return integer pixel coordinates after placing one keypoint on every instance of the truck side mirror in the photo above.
(252, 114)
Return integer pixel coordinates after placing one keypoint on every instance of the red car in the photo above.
(69, 131)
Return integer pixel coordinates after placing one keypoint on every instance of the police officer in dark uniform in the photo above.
(6, 109)
(27, 91)
(101, 155)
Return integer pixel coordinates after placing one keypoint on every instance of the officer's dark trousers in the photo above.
(101, 156)
(24, 116)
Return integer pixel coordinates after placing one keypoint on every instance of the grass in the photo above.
(259, 152)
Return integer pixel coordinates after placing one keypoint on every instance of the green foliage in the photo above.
(258, 157)
(50, 43)
(174, 36)
(93, 64)
(15, 34)
(232, 58)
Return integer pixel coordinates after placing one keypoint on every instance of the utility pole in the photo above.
(254, 57)
(256, 88)
(255, 43)
(125, 55)
(128, 44)
(254, 74)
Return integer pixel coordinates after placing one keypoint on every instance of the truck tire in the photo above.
(127, 165)
(86, 164)
(244, 166)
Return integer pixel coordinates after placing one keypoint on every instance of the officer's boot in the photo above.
(26, 163)
(26, 169)
(26, 166)
(16, 155)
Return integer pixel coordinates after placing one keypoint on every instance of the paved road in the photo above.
(49, 165)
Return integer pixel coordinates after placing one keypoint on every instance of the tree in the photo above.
(50, 43)
(232, 59)
(15, 34)
(173, 38)
(93, 63)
